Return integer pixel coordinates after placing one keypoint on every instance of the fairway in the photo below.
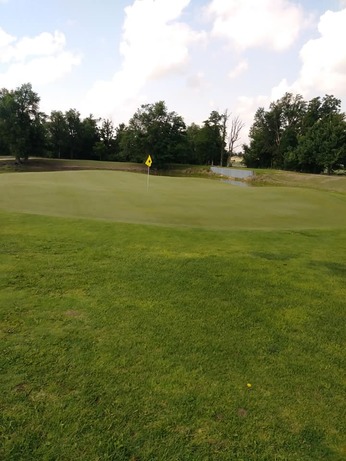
(187, 202)
(194, 321)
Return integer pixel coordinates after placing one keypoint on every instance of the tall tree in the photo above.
(21, 121)
(74, 125)
(58, 134)
(297, 135)
(285, 120)
(262, 142)
(193, 137)
(89, 136)
(214, 134)
(155, 131)
(105, 148)
(321, 144)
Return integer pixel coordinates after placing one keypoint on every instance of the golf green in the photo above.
(191, 202)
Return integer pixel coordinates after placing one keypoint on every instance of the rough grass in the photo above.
(335, 183)
(8, 164)
(138, 342)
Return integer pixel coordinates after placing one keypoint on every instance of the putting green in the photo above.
(124, 197)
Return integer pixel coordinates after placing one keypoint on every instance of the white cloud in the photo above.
(39, 71)
(279, 90)
(197, 82)
(154, 44)
(239, 69)
(39, 60)
(5, 41)
(323, 59)
(323, 69)
(273, 24)
(45, 44)
(246, 108)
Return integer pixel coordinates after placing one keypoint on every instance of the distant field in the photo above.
(192, 321)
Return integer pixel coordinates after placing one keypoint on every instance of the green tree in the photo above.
(296, 135)
(193, 139)
(214, 137)
(58, 134)
(259, 153)
(123, 143)
(74, 127)
(274, 134)
(155, 131)
(323, 147)
(89, 136)
(21, 122)
(105, 147)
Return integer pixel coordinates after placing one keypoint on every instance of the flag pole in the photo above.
(148, 163)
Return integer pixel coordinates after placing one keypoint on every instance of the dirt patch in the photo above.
(219, 417)
(72, 313)
(22, 388)
(242, 413)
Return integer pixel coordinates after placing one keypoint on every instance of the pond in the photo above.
(232, 172)
(236, 183)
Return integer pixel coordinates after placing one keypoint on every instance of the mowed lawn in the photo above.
(188, 202)
(195, 320)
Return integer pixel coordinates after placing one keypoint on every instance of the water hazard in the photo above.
(236, 183)
(236, 176)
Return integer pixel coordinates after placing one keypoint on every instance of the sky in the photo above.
(108, 57)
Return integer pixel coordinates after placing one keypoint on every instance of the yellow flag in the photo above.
(148, 161)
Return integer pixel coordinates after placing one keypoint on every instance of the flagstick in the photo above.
(148, 180)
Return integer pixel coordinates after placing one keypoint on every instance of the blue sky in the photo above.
(108, 57)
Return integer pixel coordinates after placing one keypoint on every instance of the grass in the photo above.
(8, 164)
(332, 183)
(191, 202)
(136, 340)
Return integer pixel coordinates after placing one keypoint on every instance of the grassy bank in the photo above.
(336, 183)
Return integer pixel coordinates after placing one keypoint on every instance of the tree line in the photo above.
(307, 136)
(298, 135)
(153, 129)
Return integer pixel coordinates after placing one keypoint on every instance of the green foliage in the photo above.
(106, 147)
(74, 129)
(155, 131)
(89, 137)
(71, 137)
(152, 130)
(21, 122)
(204, 144)
(298, 135)
(57, 129)
(323, 146)
(207, 143)
(213, 137)
(305, 136)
